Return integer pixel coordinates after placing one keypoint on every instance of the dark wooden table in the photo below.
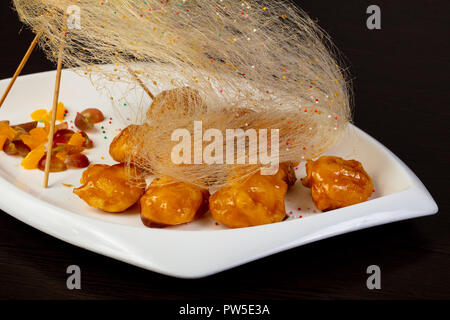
(400, 75)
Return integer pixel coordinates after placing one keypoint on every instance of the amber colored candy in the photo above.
(109, 188)
(121, 145)
(256, 201)
(168, 203)
(337, 183)
(121, 148)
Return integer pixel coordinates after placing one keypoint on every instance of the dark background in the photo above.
(400, 78)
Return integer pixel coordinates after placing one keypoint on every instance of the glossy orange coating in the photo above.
(169, 203)
(121, 145)
(257, 201)
(337, 183)
(110, 188)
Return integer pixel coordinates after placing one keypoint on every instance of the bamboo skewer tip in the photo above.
(20, 67)
(53, 120)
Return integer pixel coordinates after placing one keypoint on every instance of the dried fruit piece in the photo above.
(61, 155)
(16, 147)
(3, 140)
(43, 115)
(61, 126)
(88, 144)
(78, 160)
(19, 132)
(37, 137)
(4, 123)
(28, 126)
(62, 136)
(83, 123)
(9, 148)
(60, 112)
(67, 148)
(93, 114)
(31, 161)
(56, 165)
(9, 132)
(77, 139)
(21, 148)
(40, 115)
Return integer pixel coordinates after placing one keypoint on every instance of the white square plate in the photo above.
(204, 247)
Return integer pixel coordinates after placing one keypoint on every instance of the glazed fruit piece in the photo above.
(168, 203)
(337, 183)
(110, 188)
(257, 201)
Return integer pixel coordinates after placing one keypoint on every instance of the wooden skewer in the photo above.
(54, 111)
(20, 67)
(147, 90)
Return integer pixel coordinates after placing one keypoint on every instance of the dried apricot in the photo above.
(77, 139)
(31, 161)
(37, 137)
(9, 132)
(3, 139)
